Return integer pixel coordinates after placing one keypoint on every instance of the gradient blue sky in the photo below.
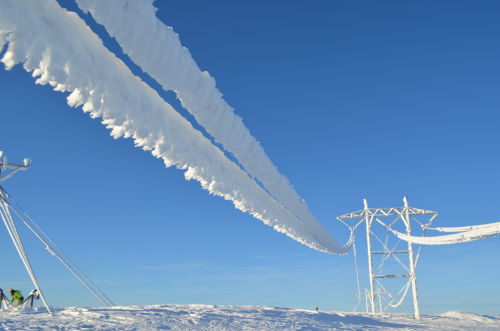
(350, 100)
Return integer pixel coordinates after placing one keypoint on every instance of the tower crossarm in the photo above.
(385, 212)
(4, 165)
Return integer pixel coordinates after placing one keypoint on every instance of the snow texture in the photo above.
(465, 228)
(60, 49)
(468, 233)
(207, 317)
(156, 48)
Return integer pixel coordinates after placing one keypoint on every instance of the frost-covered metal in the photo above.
(9, 222)
(4, 165)
(406, 214)
(393, 214)
(6, 206)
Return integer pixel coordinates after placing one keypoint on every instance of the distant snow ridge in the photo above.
(470, 316)
(61, 49)
(211, 317)
(157, 49)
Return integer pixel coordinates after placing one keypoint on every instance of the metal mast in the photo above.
(9, 222)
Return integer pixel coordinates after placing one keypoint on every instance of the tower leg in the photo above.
(412, 263)
(368, 221)
(11, 228)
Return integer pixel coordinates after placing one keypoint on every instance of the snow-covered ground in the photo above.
(207, 317)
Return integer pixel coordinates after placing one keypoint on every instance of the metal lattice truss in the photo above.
(7, 209)
(384, 212)
(380, 297)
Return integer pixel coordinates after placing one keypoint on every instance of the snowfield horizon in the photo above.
(353, 103)
(211, 317)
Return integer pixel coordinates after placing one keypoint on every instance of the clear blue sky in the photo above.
(350, 100)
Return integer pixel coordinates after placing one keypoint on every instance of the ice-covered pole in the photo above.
(368, 221)
(412, 262)
(11, 226)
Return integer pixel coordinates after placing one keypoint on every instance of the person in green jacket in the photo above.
(16, 295)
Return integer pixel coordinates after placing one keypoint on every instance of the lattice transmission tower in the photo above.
(377, 298)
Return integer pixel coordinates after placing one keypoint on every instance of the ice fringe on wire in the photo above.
(468, 233)
(61, 49)
(465, 228)
(157, 49)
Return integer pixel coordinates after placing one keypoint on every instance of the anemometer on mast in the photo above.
(8, 207)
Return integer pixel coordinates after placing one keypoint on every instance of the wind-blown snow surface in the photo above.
(204, 317)
(59, 47)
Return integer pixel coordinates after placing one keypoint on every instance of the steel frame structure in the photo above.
(11, 226)
(406, 214)
(6, 206)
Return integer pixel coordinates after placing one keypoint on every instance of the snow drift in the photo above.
(210, 317)
(60, 49)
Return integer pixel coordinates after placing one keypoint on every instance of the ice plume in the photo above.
(61, 50)
(157, 49)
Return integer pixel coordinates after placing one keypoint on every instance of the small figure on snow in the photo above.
(16, 295)
(316, 308)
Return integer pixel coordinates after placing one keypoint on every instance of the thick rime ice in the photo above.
(60, 49)
(157, 50)
(468, 233)
(466, 228)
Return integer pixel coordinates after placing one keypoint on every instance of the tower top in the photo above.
(4, 165)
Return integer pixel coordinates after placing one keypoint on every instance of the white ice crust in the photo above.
(156, 48)
(467, 234)
(60, 49)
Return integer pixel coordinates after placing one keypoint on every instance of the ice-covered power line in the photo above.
(467, 234)
(407, 214)
(156, 48)
(465, 228)
(60, 49)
